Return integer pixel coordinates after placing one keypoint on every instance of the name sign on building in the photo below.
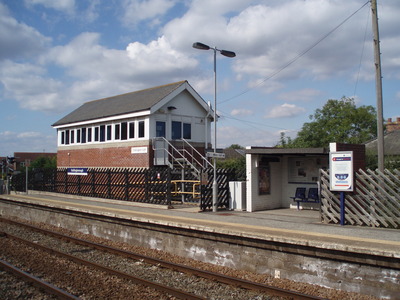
(77, 171)
(138, 150)
(341, 171)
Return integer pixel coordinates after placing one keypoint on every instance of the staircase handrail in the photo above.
(202, 157)
(173, 157)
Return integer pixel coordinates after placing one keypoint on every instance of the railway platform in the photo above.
(285, 242)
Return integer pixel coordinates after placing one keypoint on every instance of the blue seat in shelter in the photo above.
(300, 196)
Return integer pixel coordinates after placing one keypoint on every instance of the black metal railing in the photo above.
(149, 185)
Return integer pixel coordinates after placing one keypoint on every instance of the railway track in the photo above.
(36, 281)
(232, 281)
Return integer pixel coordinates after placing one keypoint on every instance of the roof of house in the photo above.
(22, 156)
(126, 103)
(391, 143)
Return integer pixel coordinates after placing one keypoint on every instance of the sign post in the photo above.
(341, 177)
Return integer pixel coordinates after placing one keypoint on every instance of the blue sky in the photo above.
(56, 55)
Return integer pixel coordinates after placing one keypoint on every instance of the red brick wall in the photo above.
(104, 157)
(110, 157)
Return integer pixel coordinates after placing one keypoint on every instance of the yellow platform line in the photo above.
(212, 222)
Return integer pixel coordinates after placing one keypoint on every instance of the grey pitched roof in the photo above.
(391, 142)
(286, 151)
(119, 105)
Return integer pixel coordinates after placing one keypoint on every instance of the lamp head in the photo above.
(228, 53)
(201, 46)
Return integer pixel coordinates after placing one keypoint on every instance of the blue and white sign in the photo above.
(341, 171)
(77, 171)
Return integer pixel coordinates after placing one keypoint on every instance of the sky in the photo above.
(291, 57)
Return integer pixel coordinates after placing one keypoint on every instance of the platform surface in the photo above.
(302, 227)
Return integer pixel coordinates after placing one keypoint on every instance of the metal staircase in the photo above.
(168, 154)
(186, 162)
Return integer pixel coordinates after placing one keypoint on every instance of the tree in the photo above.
(238, 164)
(337, 121)
(284, 141)
(44, 162)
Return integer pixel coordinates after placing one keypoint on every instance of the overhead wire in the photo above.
(226, 115)
(362, 54)
(301, 54)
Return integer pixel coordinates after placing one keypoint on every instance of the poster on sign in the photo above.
(341, 171)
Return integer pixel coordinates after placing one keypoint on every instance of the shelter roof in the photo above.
(286, 151)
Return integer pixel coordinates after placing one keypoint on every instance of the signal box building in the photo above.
(122, 131)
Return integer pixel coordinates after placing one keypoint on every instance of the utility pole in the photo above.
(378, 82)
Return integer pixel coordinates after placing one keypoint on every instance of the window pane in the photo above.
(89, 134)
(124, 131)
(67, 137)
(141, 129)
(176, 130)
(102, 133)
(62, 137)
(132, 130)
(96, 134)
(109, 132)
(72, 136)
(117, 131)
(160, 129)
(78, 136)
(83, 135)
(187, 131)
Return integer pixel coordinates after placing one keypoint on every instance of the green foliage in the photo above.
(236, 146)
(44, 163)
(284, 141)
(391, 162)
(337, 121)
(238, 164)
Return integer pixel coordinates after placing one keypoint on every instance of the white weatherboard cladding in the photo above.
(185, 105)
(184, 108)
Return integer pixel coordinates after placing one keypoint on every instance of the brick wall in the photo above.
(105, 157)
(108, 156)
(358, 154)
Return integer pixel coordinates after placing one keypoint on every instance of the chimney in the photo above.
(392, 125)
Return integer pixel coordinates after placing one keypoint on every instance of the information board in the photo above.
(341, 171)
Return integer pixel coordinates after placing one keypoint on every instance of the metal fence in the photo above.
(375, 201)
(155, 185)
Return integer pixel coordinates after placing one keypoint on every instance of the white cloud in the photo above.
(300, 95)
(136, 11)
(21, 141)
(18, 40)
(241, 112)
(67, 6)
(91, 71)
(27, 84)
(284, 111)
(245, 137)
(158, 56)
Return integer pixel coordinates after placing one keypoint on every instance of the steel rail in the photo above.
(242, 283)
(160, 287)
(47, 287)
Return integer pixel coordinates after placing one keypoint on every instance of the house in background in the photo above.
(391, 139)
(122, 131)
(26, 158)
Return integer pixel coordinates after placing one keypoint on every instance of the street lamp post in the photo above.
(226, 53)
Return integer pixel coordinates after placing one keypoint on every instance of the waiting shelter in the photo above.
(273, 174)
